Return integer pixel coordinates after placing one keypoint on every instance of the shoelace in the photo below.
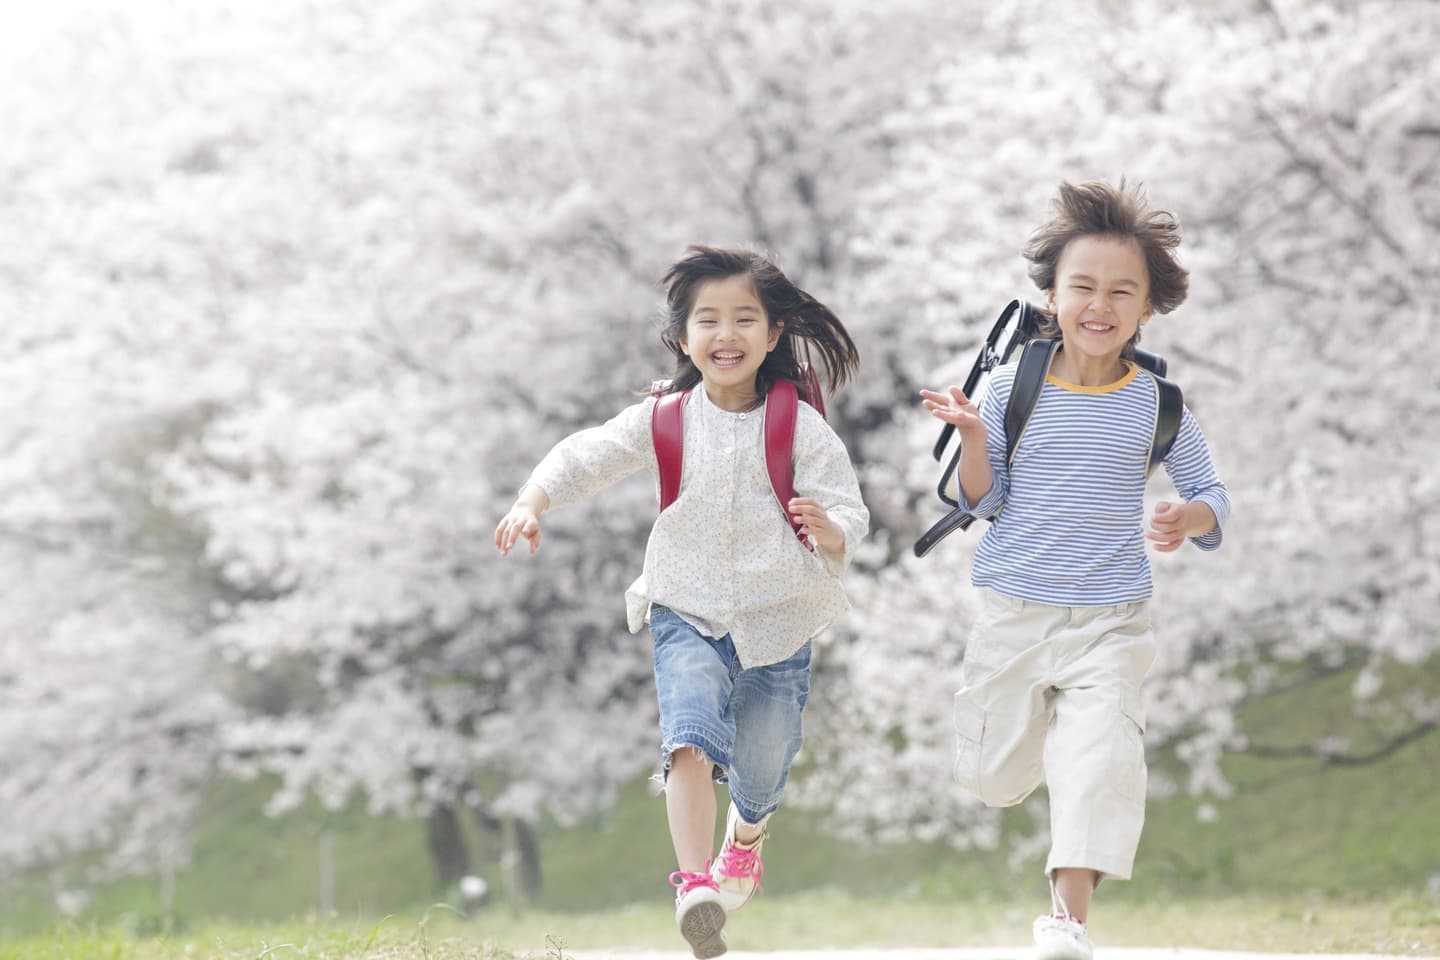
(735, 861)
(1064, 923)
(684, 881)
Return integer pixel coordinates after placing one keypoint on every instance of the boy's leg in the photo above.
(1094, 768)
(1095, 753)
(1002, 712)
(768, 703)
(1074, 887)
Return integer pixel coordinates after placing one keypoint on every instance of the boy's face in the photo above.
(727, 337)
(1101, 295)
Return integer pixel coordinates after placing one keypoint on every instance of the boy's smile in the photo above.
(727, 337)
(1101, 297)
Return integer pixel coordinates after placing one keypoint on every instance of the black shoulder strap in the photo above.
(1169, 405)
(1025, 393)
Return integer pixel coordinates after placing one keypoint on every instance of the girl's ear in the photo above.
(776, 328)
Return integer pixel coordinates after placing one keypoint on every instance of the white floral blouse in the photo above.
(723, 556)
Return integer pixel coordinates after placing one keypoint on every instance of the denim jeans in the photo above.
(747, 722)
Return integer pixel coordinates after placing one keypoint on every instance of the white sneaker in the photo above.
(1061, 938)
(698, 913)
(738, 869)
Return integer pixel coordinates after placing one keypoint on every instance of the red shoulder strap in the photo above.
(667, 429)
(782, 407)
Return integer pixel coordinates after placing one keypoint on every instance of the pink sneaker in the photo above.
(698, 913)
(738, 869)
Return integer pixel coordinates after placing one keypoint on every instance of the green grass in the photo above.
(1356, 840)
(823, 920)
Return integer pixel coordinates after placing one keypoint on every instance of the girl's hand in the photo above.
(955, 408)
(521, 521)
(1167, 526)
(816, 524)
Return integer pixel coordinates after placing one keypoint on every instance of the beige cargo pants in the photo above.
(1053, 693)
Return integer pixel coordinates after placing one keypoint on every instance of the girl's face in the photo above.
(1101, 296)
(727, 336)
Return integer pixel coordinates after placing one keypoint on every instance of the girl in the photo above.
(1054, 666)
(731, 595)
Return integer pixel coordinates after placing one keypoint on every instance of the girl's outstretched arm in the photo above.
(523, 520)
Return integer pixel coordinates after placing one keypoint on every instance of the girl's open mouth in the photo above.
(726, 361)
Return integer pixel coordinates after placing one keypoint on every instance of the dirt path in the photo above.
(989, 953)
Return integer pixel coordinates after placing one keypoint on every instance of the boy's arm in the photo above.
(988, 469)
(1207, 502)
(981, 481)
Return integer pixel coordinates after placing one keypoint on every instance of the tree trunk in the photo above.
(522, 861)
(447, 847)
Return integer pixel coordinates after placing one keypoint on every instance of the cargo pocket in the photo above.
(970, 732)
(1128, 772)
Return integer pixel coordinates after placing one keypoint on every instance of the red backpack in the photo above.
(782, 407)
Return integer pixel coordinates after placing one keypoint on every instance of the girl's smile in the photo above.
(727, 336)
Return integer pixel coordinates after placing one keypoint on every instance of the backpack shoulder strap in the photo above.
(782, 409)
(667, 429)
(1169, 405)
(1030, 377)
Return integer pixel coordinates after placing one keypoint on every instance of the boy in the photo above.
(1053, 669)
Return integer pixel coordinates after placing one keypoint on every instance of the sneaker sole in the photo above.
(703, 927)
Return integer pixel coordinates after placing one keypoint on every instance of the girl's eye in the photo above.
(1122, 293)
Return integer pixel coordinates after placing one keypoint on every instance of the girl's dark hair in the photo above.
(1095, 208)
(808, 322)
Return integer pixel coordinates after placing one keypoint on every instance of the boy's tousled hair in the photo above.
(805, 319)
(1095, 208)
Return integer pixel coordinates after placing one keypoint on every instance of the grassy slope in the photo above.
(1293, 827)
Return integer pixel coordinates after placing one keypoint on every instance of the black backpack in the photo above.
(1035, 358)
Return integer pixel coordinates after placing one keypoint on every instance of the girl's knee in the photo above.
(690, 756)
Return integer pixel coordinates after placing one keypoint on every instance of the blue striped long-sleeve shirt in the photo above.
(1072, 528)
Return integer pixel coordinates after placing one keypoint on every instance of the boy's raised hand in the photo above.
(955, 408)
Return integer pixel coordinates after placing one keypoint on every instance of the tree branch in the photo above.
(1337, 758)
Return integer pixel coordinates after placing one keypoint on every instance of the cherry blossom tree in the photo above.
(306, 291)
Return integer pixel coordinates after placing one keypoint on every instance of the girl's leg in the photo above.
(690, 807)
(693, 682)
(767, 703)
